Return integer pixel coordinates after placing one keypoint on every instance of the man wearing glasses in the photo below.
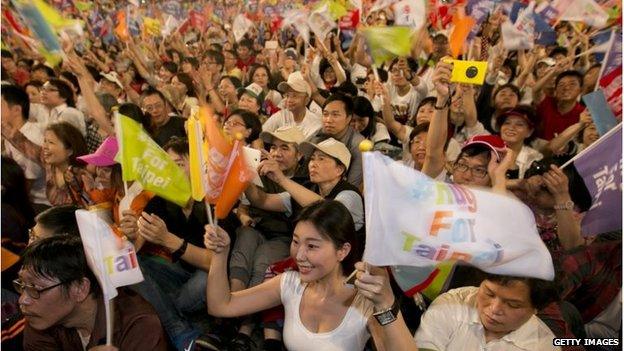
(165, 124)
(62, 303)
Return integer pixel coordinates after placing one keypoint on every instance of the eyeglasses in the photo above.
(154, 107)
(478, 172)
(233, 123)
(30, 290)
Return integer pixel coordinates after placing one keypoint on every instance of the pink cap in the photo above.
(493, 142)
(105, 154)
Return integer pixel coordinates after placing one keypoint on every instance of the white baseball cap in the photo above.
(112, 77)
(295, 82)
(332, 147)
(287, 134)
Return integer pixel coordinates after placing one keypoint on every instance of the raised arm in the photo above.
(556, 144)
(298, 192)
(393, 125)
(438, 126)
(220, 300)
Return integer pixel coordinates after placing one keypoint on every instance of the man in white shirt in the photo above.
(297, 95)
(498, 315)
(57, 105)
(15, 109)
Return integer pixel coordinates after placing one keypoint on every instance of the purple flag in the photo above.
(601, 168)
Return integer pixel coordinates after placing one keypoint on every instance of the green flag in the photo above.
(386, 43)
(143, 160)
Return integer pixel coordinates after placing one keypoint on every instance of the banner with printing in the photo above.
(413, 220)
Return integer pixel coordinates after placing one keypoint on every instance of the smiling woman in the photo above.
(322, 313)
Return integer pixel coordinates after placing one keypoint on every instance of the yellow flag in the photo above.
(151, 26)
(386, 43)
(197, 160)
(469, 72)
(52, 16)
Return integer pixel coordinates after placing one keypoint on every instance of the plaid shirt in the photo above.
(591, 276)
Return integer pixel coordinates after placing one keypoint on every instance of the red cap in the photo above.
(493, 142)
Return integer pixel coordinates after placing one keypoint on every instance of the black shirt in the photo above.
(190, 229)
(173, 127)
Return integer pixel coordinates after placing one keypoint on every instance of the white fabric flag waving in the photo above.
(412, 220)
(241, 26)
(112, 260)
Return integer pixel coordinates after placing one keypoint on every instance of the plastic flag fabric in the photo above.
(236, 181)
(320, 22)
(386, 43)
(461, 30)
(413, 220)
(410, 13)
(112, 260)
(241, 26)
(143, 160)
(197, 157)
(600, 112)
(600, 165)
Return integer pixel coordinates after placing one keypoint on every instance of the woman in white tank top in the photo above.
(321, 311)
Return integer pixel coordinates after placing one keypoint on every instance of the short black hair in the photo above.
(475, 150)
(251, 122)
(6, 53)
(16, 96)
(346, 88)
(192, 60)
(60, 220)
(217, 56)
(41, 67)
(541, 292)
(429, 100)
(64, 90)
(151, 91)
(569, 73)
(247, 43)
(510, 86)
(60, 257)
(346, 100)
(178, 145)
(72, 79)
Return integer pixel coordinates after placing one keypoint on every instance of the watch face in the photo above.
(385, 318)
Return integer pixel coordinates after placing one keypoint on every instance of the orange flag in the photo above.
(238, 177)
(218, 155)
(122, 28)
(463, 26)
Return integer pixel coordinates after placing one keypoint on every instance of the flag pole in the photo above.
(606, 58)
(109, 310)
(592, 146)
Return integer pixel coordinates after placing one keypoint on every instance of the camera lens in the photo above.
(472, 72)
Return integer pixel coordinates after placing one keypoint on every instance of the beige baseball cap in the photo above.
(288, 134)
(295, 82)
(330, 146)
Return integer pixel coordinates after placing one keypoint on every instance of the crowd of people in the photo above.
(271, 276)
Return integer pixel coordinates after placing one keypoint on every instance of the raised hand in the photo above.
(216, 239)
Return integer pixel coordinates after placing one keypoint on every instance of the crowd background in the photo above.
(305, 95)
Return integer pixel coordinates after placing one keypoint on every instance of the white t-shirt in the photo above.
(350, 335)
(310, 124)
(452, 323)
(404, 107)
(32, 171)
(60, 113)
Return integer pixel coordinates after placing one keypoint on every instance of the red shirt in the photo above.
(552, 121)
(244, 65)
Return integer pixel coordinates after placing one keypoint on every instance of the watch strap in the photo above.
(387, 316)
(177, 254)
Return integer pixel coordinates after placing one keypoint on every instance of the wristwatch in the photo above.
(568, 206)
(388, 315)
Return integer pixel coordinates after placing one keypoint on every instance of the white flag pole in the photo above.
(604, 61)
